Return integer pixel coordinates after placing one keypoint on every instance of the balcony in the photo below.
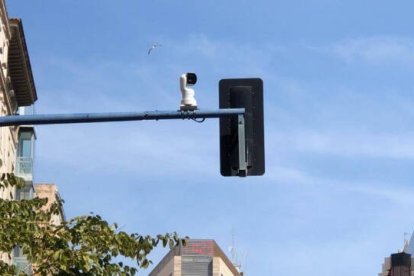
(23, 265)
(24, 168)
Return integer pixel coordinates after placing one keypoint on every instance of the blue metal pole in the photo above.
(47, 119)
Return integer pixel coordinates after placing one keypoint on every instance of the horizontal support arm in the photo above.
(48, 119)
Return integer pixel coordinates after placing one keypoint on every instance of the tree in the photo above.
(84, 245)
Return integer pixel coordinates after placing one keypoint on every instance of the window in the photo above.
(25, 144)
(17, 252)
(24, 193)
(26, 148)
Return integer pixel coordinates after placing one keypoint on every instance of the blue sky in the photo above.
(337, 196)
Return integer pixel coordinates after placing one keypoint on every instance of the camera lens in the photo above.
(191, 78)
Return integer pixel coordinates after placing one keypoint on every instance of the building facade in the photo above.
(196, 258)
(50, 191)
(401, 263)
(17, 94)
(24, 169)
(398, 264)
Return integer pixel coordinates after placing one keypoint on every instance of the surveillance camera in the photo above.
(191, 78)
(188, 101)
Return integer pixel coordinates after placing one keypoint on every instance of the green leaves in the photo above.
(84, 245)
(10, 180)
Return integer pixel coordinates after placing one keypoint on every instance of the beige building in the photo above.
(196, 258)
(401, 263)
(17, 95)
(17, 88)
(50, 191)
(398, 264)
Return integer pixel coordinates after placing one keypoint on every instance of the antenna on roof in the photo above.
(406, 241)
(234, 254)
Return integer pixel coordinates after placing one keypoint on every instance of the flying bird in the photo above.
(153, 47)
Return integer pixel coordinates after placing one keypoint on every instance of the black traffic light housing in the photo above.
(238, 156)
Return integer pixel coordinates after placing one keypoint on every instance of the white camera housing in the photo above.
(188, 101)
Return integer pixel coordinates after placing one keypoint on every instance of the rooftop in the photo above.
(19, 65)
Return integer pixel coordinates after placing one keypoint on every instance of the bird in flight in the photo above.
(155, 45)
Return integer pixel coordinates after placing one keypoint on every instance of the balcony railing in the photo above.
(23, 265)
(24, 168)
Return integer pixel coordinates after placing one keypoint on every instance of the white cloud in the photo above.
(347, 144)
(136, 148)
(376, 50)
(378, 190)
(403, 196)
(147, 81)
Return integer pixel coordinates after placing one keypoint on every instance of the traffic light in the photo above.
(238, 156)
